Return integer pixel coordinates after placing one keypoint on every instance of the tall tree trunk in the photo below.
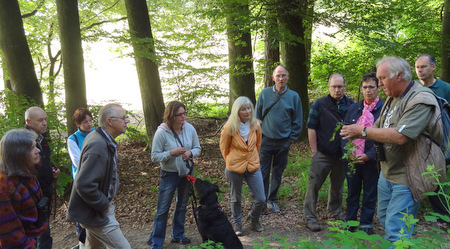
(292, 14)
(16, 53)
(241, 74)
(147, 68)
(72, 56)
(445, 44)
(271, 44)
(6, 81)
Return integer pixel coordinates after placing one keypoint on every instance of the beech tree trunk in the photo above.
(241, 73)
(271, 44)
(72, 58)
(16, 53)
(292, 14)
(147, 68)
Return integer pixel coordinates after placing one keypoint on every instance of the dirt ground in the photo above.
(137, 199)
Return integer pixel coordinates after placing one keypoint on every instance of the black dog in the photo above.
(212, 222)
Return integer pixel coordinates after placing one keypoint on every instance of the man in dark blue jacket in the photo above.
(325, 115)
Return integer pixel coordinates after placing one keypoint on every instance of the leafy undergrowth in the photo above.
(138, 194)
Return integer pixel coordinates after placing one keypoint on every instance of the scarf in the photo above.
(244, 129)
(367, 119)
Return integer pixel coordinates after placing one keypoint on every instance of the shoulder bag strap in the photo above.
(270, 107)
(176, 137)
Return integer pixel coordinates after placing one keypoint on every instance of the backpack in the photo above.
(444, 107)
(445, 116)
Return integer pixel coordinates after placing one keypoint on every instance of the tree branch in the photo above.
(34, 12)
(102, 22)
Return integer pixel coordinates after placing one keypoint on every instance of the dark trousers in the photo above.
(273, 156)
(45, 241)
(365, 178)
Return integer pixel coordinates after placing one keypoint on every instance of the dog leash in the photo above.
(191, 179)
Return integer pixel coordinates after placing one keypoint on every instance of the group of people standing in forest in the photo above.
(377, 137)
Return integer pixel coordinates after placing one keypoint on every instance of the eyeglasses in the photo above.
(365, 88)
(181, 114)
(337, 87)
(123, 118)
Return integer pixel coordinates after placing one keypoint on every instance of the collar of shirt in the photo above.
(407, 89)
(275, 90)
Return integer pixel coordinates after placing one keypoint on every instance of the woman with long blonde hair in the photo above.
(240, 142)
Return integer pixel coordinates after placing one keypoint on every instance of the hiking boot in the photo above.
(313, 226)
(237, 229)
(256, 226)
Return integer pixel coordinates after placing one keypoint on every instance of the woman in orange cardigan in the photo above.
(240, 142)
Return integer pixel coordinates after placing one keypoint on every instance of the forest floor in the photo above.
(137, 199)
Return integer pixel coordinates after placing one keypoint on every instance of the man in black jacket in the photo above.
(325, 114)
(36, 120)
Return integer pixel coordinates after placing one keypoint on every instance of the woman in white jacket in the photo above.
(174, 145)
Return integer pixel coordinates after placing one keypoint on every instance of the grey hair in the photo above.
(107, 111)
(395, 66)
(15, 147)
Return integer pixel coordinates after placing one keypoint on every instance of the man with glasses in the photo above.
(97, 181)
(410, 131)
(280, 112)
(324, 117)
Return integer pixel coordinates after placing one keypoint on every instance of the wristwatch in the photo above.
(363, 132)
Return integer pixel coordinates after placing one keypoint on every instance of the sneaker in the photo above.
(256, 226)
(273, 206)
(237, 229)
(367, 230)
(183, 241)
(313, 226)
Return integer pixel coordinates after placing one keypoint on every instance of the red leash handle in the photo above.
(191, 179)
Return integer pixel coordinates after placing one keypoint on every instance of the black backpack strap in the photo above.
(76, 139)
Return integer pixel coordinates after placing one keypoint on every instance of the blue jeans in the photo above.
(364, 178)
(255, 184)
(393, 200)
(168, 183)
(273, 155)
